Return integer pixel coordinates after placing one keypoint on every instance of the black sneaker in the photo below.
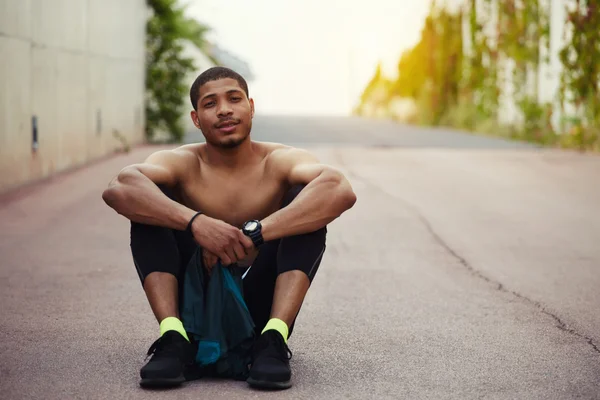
(270, 366)
(172, 353)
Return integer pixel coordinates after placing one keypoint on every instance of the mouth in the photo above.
(227, 126)
(228, 123)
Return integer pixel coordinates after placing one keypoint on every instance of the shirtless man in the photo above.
(242, 202)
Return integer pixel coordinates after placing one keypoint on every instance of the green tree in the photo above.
(375, 95)
(508, 43)
(167, 29)
(580, 84)
(430, 72)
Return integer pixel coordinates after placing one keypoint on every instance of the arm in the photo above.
(133, 192)
(325, 197)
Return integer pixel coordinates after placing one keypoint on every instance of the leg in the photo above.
(157, 260)
(298, 259)
(259, 284)
(278, 281)
(275, 288)
(290, 289)
(160, 256)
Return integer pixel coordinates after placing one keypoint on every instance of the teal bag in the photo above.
(217, 320)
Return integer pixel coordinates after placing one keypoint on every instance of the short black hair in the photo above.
(213, 74)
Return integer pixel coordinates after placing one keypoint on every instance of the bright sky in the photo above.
(312, 56)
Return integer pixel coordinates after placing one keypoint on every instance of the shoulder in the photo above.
(183, 153)
(282, 157)
(293, 165)
(179, 158)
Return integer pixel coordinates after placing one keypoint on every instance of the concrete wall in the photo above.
(76, 65)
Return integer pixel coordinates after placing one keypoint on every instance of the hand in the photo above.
(209, 260)
(249, 259)
(225, 241)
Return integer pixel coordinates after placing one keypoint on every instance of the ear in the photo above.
(251, 108)
(195, 120)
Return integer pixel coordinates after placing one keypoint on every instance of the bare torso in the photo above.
(253, 190)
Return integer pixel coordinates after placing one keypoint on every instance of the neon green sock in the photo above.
(279, 326)
(173, 324)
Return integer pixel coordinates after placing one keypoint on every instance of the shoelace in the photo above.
(264, 343)
(159, 348)
(288, 352)
(153, 348)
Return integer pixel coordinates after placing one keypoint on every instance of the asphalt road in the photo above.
(469, 268)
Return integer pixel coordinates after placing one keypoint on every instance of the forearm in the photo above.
(138, 199)
(318, 204)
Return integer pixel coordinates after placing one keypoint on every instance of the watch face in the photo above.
(252, 225)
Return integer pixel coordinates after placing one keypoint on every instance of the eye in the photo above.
(236, 98)
(209, 104)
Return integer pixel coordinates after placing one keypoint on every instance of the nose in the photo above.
(224, 109)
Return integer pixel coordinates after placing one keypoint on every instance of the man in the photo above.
(246, 203)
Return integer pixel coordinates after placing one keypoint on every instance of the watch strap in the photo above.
(256, 235)
(257, 238)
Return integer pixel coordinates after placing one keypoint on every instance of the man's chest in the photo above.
(234, 199)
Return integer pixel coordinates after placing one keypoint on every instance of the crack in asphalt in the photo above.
(560, 324)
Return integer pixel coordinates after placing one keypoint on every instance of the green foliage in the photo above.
(524, 26)
(481, 67)
(431, 71)
(463, 90)
(375, 94)
(377, 82)
(580, 81)
(537, 125)
(166, 30)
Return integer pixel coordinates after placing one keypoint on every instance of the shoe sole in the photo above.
(162, 382)
(269, 384)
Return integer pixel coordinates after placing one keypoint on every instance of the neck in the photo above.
(230, 158)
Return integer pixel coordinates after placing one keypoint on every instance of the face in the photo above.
(224, 113)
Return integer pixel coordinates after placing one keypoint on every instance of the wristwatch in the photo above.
(253, 229)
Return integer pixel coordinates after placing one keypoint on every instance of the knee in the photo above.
(307, 246)
(143, 235)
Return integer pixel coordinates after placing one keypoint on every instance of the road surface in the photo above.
(469, 268)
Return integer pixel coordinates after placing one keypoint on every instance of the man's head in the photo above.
(222, 107)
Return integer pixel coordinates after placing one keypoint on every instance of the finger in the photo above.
(208, 262)
(232, 256)
(246, 241)
(240, 251)
(225, 259)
